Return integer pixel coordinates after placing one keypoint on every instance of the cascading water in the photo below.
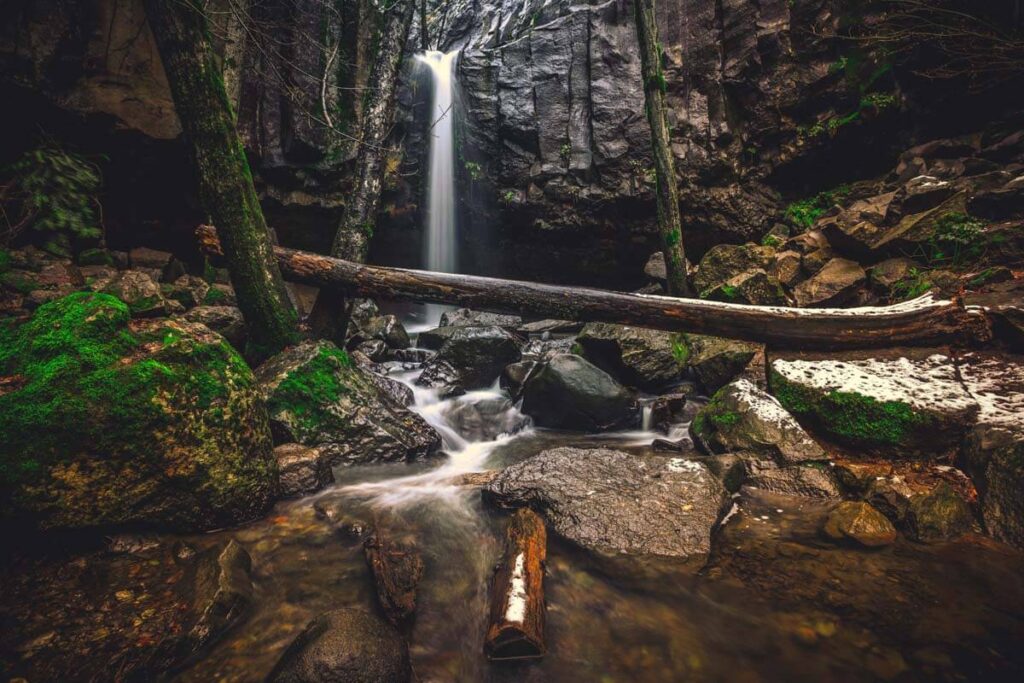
(440, 248)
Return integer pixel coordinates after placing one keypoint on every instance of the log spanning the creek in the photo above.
(516, 626)
(924, 321)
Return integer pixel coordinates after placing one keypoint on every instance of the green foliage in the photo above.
(912, 286)
(730, 292)
(680, 349)
(55, 193)
(5, 260)
(509, 197)
(474, 170)
(852, 417)
(771, 241)
(724, 419)
(805, 212)
(577, 349)
(308, 392)
(957, 239)
(214, 297)
(673, 238)
(564, 152)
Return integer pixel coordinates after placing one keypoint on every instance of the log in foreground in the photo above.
(921, 322)
(516, 626)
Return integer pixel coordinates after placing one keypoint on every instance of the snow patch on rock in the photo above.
(516, 610)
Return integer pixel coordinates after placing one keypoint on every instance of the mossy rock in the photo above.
(939, 515)
(317, 397)
(716, 361)
(725, 261)
(858, 522)
(636, 356)
(108, 421)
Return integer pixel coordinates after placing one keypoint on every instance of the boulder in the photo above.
(139, 291)
(224, 320)
(993, 452)
(220, 295)
(939, 515)
(514, 376)
(303, 469)
(815, 260)
(317, 397)
(753, 287)
(485, 420)
(725, 261)
(636, 356)
(717, 361)
(188, 290)
(897, 402)
(611, 502)
(812, 480)
(464, 317)
(385, 328)
(567, 392)
(345, 645)
(655, 267)
(786, 268)
(891, 271)
(109, 421)
(836, 283)
(859, 522)
(397, 568)
(741, 417)
(475, 357)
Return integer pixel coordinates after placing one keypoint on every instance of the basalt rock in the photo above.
(567, 392)
(476, 356)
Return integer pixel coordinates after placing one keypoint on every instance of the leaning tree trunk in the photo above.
(328, 318)
(424, 36)
(669, 221)
(225, 183)
(515, 629)
(921, 322)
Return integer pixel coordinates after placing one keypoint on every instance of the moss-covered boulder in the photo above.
(899, 402)
(716, 361)
(726, 261)
(636, 356)
(317, 397)
(938, 515)
(106, 421)
(741, 417)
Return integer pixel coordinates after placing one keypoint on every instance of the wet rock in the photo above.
(397, 569)
(464, 317)
(611, 502)
(344, 646)
(374, 349)
(836, 283)
(900, 402)
(993, 451)
(939, 515)
(655, 267)
(410, 355)
(303, 469)
(384, 328)
(188, 290)
(543, 349)
(224, 320)
(139, 291)
(859, 522)
(741, 417)
(786, 268)
(725, 261)
(317, 397)
(473, 357)
(730, 469)
(717, 361)
(434, 339)
(442, 377)
(486, 419)
(636, 356)
(668, 410)
(812, 480)
(514, 376)
(133, 399)
(550, 326)
(567, 392)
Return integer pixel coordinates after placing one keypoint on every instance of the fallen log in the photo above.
(924, 321)
(397, 569)
(516, 626)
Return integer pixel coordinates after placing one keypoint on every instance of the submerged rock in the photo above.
(317, 397)
(303, 469)
(397, 569)
(637, 356)
(345, 646)
(612, 502)
(567, 392)
(110, 421)
(859, 522)
(741, 417)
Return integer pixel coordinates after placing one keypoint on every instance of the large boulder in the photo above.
(317, 397)
(899, 402)
(637, 356)
(464, 317)
(716, 361)
(836, 283)
(725, 261)
(567, 392)
(108, 420)
(486, 419)
(471, 357)
(224, 320)
(993, 452)
(752, 287)
(345, 645)
(612, 502)
(741, 417)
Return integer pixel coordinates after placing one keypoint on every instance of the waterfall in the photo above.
(440, 215)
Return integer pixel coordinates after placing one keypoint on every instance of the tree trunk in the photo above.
(669, 221)
(225, 183)
(352, 239)
(424, 36)
(397, 569)
(516, 627)
(921, 322)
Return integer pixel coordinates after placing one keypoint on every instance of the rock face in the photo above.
(345, 646)
(741, 417)
(567, 392)
(316, 397)
(640, 357)
(108, 421)
(904, 402)
(611, 502)
(861, 523)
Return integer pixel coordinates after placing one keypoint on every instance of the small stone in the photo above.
(858, 521)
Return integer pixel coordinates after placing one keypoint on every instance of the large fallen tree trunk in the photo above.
(516, 626)
(921, 322)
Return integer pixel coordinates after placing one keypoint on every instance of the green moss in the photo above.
(771, 241)
(680, 349)
(724, 419)
(852, 417)
(214, 297)
(805, 212)
(308, 392)
(5, 260)
(95, 257)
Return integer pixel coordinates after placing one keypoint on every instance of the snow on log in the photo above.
(516, 626)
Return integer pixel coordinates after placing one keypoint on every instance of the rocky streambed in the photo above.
(716, 512)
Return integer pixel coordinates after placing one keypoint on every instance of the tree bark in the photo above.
(352, 239)
(225, 183)
(516, 626)
(921, 322)
(670, 224)
(397, 569)
(424, 36)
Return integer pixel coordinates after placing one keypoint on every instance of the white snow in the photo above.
(683, 465)
(998, 386)
(768, 410)
(516, 610)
